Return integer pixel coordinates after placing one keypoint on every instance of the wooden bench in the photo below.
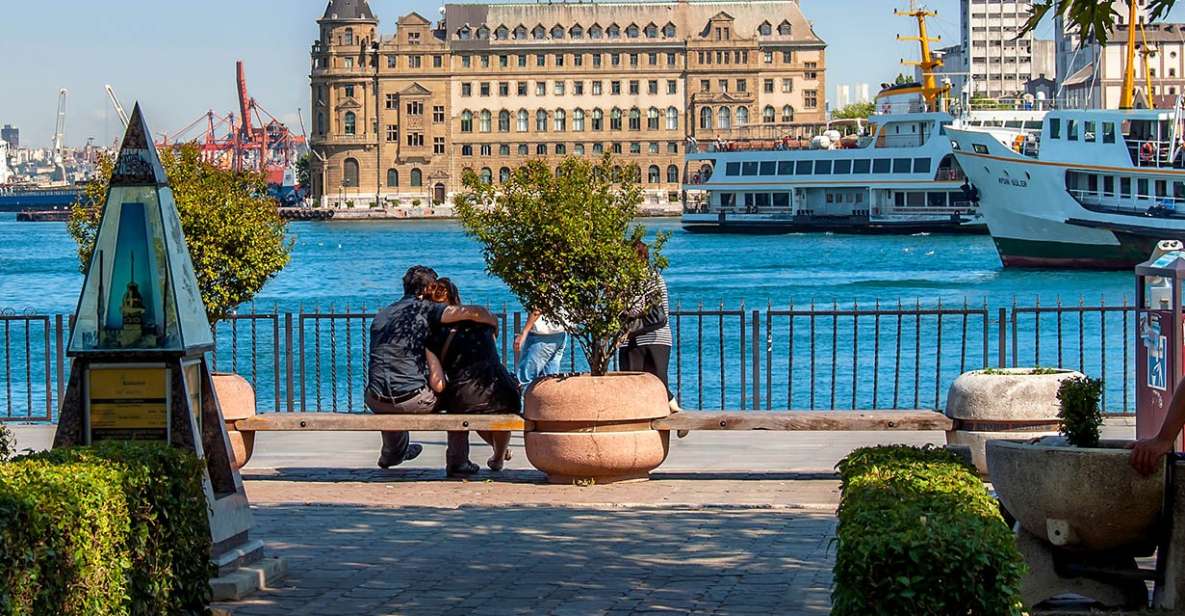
(366, 422)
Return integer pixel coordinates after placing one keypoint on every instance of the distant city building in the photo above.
(1079, 65)
(493, 85)
(953, 70)
(1001, 62)
(1073, 57)
(12, 135)
(851, 94)
(1100, 84)
(5, 173)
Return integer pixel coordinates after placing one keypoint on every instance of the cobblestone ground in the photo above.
(505, 557)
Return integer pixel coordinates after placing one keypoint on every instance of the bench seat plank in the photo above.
(366, 422)
(805, 420)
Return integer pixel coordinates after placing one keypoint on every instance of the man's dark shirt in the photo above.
(398, 336)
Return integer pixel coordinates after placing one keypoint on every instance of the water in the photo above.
(816, 363)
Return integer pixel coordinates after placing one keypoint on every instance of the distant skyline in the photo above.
(177, 58)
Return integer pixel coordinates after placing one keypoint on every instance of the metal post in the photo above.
(61, 358)
(1002, 338)
(288, 362)
(756, 360)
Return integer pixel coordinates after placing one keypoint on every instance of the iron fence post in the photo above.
(1002, 338)
(756, 367)
(291, 399)
(60, 354)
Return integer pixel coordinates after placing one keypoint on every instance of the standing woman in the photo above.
(540, 347)
(648, 348)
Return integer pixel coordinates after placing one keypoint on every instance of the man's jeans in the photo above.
(541, 356)
(395, 444)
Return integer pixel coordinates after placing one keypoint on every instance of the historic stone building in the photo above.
(397, 120)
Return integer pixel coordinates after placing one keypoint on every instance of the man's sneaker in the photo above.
(413, 451)
(464, 471)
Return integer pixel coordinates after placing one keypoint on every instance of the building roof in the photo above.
(1154, 33)
(341, 10)
(1081, 76)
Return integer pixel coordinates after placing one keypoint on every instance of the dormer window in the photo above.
(595, 32)
(464, 33)
(413, 38)
(483, 33)
(669, 30)
(613, 31)
(538, 33)
(520, 33)
(348, 36)
(502, 33)
(576, 32)
(632, 31)
(765, 29)
(651, 31)
(557, 32)
(784, 28)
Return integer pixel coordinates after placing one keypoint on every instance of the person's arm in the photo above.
(522, 336)
(475, 314)
(436, 379)
(1146, 454)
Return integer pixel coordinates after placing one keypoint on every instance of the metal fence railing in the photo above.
(836, 356)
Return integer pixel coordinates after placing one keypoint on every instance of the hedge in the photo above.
(919, 534)
(162, 540)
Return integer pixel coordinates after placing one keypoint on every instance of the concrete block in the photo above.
(1171, 594)
(244, 581)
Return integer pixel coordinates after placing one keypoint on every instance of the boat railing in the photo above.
(1143, 205)
(1154, 153)
(949, 175)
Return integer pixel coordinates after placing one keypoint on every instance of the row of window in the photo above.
(560, 88)
(561, 149)
(1089, 130)
(595, 31)
(654, 174)
(724, 116)
(862, 166)
(1123, 187)
(595, 59)
(558, 120)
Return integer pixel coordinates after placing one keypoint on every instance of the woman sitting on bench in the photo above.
(468, 375)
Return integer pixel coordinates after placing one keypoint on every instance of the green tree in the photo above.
(1094, 18)
(302, 169)
(902, 80)
(855, 110)
(234, 232)
(563, 242)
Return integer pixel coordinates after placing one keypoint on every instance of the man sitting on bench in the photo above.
(398, 374)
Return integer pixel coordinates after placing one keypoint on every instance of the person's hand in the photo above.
(519, 341)
(1146, 454)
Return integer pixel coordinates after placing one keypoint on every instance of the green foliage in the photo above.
(855, 110)
(7, 442)
(902, 80)
(233, 229)
(919, 534)
(164, 541)
(1095, 18)
(1080, 412)
(302, 169)
(980, 103)
(1038, 371)
(62, 529)
(563, 243)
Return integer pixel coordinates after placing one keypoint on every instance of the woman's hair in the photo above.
(443, 291)
(642, 250)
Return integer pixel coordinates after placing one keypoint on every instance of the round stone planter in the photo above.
(1079, 499)
(596, 429)
(1004, 403)
(236, 398)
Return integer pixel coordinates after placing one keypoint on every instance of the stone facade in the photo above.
(397, 120)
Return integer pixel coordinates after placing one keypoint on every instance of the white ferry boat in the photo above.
(896, 175)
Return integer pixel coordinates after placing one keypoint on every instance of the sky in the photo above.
(177, 57)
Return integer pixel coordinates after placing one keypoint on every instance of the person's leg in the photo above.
(658, 359)
(557, 344)
(630, 359)
(531, 363)
(457, 455)
(397, 446)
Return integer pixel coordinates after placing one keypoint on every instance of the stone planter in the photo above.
(596, 429)
(236, 398)
(1005, 403)
(1077, 498)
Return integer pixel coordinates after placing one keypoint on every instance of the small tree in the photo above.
(7, 443)
(1080, 412)
(564, 244)
(233, 230)
(302, 170)
(855, 110)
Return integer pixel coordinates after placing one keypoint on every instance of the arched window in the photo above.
(417, 177)
(523, 150)
(557, 32)
(576, 32)
(616, 173)
(613, 31)
(502, 33)
(653, 175)
(520, 33)
(598, 148)
(669, 30)
(635, 173)
(541, 121)
(723, 118)
(578, 149)
(467, 150)
(467, 121)
(484, 123)
(503, 175)
(615, 119)
(561, 148)
(392, 177)
(742, 116)
(320, 122)
(652, 118)
(651, 31)
(705, 118)
(348, 36)
(560, 119)
(672, 118)
(672, 174)
(351, 123)
(541, 149)
(595, 32)
(598, 119)
(578, 119)
(765, 29)
(767, 114)
(635, 119)
(504, 121)
(524, 121)
(504, 149)
(784, 28)
(538, 32)
(631, 31)
(487, 176)
(350, 173)
(787, 114)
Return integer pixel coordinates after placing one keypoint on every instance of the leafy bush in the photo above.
(62, 534)
(1080, 412)
(165, 541)
(7, 443)
(918, 534)
(562, 242)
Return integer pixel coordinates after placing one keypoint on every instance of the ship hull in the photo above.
(762, 225)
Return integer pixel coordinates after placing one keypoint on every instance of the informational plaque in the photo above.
(127, 402)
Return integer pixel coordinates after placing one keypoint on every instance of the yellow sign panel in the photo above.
(126, 400)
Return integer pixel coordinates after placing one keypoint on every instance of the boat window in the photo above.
(921, 165)
(979, 148)
(1162, 188)
(882, 165)
(1055, 128)
(1013, 124)
(728, 199)
(822, 167)
(1142, 188)
(781, 199)
(749, 168)
(1108, 186)
(1088, 134)
(732, 169)
(785, 167)
(830, 197)
(936, 199)
(1092, 183)
(1033, 125)
(805, 167)
(899, 199)
(769, 167)
(762, 199)
(1071, 130)
(916, 199)
(1108, 132)
(1179, 190)
(1125, 187)
(901, 165)
(861, 166)
(750, 198)
(859, 197)
(843, 167)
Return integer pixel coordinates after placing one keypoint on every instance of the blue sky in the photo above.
(177, 57)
